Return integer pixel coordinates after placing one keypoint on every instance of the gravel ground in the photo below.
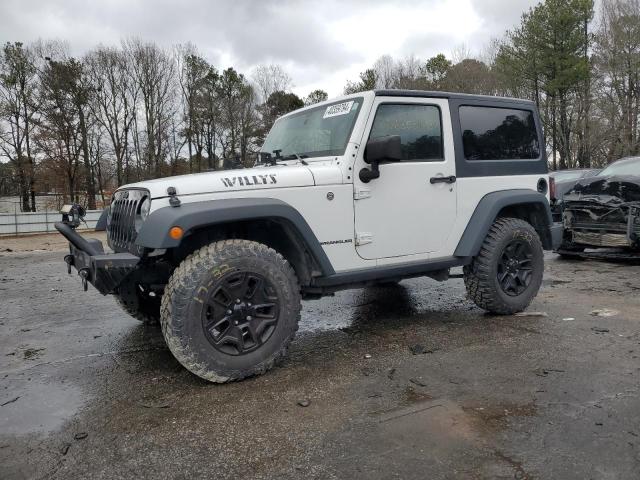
(410, 381)
(42, 242)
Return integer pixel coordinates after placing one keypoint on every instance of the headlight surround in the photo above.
(143, 212)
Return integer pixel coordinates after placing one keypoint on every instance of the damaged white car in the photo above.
(604, 211)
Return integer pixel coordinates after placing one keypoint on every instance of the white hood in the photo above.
(259, 178)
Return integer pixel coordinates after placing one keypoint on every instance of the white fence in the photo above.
(19, 223)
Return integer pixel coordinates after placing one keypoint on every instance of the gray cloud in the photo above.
(301, 35)
(427, 44)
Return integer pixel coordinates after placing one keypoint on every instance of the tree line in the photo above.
(582, 72)
(82, 126)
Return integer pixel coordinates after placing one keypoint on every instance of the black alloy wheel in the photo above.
(515, 267)
(241, 313)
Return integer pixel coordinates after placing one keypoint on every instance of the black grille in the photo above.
(121, 228)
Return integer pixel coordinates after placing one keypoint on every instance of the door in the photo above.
(411, 208)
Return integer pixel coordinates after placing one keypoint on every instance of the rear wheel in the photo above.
(230, 310)
(506, 274)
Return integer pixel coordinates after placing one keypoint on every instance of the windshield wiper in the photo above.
(295, 156)
(275, 156)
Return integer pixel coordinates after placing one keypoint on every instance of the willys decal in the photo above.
(247, 181)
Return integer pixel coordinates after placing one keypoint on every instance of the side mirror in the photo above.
(383, 149)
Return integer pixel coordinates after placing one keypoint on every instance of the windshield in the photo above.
(317, 132)
(629, 166)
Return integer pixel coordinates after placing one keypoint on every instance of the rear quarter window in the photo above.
(493, 133)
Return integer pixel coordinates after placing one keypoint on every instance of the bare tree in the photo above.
(153, 70)
(386, 72)
(617, 62)
(461, 52)
(268, 79)
(113, 103)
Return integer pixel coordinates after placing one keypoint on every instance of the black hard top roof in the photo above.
(450, 95)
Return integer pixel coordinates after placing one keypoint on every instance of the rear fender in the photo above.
(496, 203)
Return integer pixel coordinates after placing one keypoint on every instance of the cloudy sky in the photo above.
(321, 43)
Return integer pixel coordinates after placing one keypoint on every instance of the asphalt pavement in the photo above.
(409, 381)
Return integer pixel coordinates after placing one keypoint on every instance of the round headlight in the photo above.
(143, 212)
(144, 208)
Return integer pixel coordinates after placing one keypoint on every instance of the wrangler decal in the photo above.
(247, 181)
(337, 242)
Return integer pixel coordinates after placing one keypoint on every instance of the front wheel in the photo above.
(506, 274)
(230, 310)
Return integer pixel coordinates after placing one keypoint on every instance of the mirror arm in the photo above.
(366, 175)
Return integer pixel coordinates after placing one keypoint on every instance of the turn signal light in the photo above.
(176, 233)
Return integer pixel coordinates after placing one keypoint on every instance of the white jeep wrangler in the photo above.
(368, 188)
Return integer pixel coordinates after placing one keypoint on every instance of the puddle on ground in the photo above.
(40, 408)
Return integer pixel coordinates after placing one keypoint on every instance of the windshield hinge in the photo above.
(360, 193)
(362, 238)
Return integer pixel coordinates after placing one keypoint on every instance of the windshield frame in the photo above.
(360, 100)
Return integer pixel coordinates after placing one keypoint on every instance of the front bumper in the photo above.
(557, 231)
(105, 271)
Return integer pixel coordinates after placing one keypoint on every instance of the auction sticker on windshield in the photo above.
(338, 109)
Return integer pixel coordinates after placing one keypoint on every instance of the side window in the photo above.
(419, 127)
(490, 133)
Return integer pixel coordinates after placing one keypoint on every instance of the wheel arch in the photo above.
(266, 220)
(525, 204)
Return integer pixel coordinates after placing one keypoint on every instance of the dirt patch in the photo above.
(496, 417)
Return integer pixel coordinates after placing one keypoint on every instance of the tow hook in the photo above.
(84, 274)
(68, 259)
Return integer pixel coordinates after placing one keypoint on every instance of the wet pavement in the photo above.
(409, 381)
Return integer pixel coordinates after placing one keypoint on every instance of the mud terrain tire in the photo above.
(144, 309)
(209, 322)
(506, 274)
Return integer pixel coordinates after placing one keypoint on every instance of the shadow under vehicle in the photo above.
(604, 211)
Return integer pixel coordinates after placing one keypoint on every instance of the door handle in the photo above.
(450, 179)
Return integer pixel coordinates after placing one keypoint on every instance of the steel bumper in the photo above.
(105, 271)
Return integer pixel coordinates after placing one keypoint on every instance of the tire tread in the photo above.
(477, 275)
(184, 279)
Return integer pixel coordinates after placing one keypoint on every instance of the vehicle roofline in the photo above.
(449, 95)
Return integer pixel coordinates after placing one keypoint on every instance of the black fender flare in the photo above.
(487, 211)
(191, 216)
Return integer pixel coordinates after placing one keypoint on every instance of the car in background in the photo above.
(604, 210)
(565, 180)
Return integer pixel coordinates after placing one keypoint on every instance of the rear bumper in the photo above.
(105, 271)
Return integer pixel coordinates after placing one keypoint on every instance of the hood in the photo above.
(610, 190)
(564, 187)
(258, 178)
